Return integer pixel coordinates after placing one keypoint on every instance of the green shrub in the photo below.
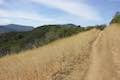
(15, 42)
(116, 18)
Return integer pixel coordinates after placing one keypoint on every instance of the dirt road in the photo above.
(105, 56)
(92, 55)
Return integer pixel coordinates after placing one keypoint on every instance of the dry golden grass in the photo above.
(66, 59)
(105, 55)
(91, 55)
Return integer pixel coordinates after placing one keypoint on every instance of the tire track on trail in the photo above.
(101, 66)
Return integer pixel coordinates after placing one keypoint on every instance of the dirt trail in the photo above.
(105, 57)
(92, 55)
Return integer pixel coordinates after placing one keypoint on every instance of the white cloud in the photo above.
(81, 9)
(7, 17)
(78, 8)
(22, 15)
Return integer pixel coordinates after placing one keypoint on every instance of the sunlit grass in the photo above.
(65, 59)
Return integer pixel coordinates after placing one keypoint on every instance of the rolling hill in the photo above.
(14, 42)
(14, 28)
(4, 29)
(90, 55)
(59, 60)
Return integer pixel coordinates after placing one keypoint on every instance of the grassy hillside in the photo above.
(65, 59)
(15, 42)
(89, 55)
(18, 41)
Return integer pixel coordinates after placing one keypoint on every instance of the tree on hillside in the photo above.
(116, 18)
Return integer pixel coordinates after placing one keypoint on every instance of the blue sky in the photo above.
(40, 12)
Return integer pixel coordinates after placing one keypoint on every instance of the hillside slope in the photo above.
(4, 29)
(15, 42)
(65, 59)
(91, 55)
(14, 28)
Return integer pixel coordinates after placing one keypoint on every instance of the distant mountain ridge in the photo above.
(14, 28)
(4, 29)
